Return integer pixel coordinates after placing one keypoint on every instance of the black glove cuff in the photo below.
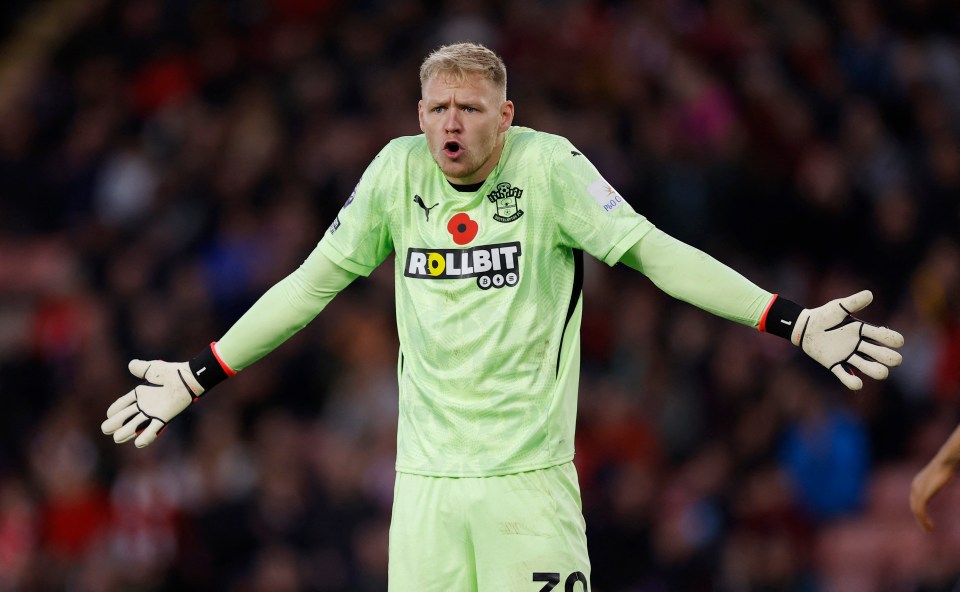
(207, 369)
(781, 317)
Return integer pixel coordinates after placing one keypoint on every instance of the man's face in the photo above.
(464, 123)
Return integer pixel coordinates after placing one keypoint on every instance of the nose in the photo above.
(452, 122)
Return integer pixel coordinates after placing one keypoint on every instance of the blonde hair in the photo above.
(459, 60)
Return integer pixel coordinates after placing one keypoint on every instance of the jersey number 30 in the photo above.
(553, 580)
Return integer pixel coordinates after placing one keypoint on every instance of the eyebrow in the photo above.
(435, 103)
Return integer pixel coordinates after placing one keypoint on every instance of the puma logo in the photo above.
(426, 210)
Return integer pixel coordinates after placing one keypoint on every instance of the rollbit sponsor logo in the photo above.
(493, 265)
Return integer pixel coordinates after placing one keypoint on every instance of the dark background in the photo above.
(162, 163)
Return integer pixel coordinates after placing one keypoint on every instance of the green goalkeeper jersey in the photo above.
(488, 296)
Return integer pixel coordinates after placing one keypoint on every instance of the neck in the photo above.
(466, 187)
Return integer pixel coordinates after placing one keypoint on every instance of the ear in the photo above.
(506, 116)
(420, 114)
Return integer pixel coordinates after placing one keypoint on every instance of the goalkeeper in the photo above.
(488, 222)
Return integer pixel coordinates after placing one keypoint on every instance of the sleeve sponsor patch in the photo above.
(605, 195)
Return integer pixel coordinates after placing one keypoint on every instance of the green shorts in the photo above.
(523, 532)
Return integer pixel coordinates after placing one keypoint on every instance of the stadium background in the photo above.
(163, 162)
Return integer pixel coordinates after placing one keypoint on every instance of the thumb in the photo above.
(139, 368)
(857, 301)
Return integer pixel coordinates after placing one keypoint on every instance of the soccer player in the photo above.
(488, 222)
(932, 478)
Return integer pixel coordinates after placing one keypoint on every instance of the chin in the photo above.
(455, 172)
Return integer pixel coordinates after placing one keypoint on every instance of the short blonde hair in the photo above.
(462, 59)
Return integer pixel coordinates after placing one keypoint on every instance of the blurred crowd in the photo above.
(163, 162)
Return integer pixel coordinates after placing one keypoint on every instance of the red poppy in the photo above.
(462, 228)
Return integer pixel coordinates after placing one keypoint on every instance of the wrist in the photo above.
(208, 369)
(780, 318)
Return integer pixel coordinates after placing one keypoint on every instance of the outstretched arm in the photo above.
(283, 310)
(690, 275)
(828, 334)
(168, 388)
(933, 477)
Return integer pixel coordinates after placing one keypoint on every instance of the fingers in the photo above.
(124, 422)
(883, 335)
(874, 370)
(122, 403)
(919, 508)
(129, 429)
(857, 301)
(149, 435)
(850, 381)
(884, 355)
(115, 421)
(918, 502)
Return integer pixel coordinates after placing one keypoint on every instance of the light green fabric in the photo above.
(283, 310)
(488, 315)
(691, 275)
(488, 533)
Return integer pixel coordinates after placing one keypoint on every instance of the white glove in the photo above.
(167, 389)
(831, 336)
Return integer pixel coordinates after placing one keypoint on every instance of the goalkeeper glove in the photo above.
(167, 389)
(837, 340)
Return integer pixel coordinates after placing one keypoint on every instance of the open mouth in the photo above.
(452, 149)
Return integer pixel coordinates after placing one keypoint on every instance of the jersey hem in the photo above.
(340, 259)
(492, 473)
(626, 243)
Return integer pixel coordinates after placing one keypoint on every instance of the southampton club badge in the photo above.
(506, 196)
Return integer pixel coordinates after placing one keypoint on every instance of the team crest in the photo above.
(506, 196)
